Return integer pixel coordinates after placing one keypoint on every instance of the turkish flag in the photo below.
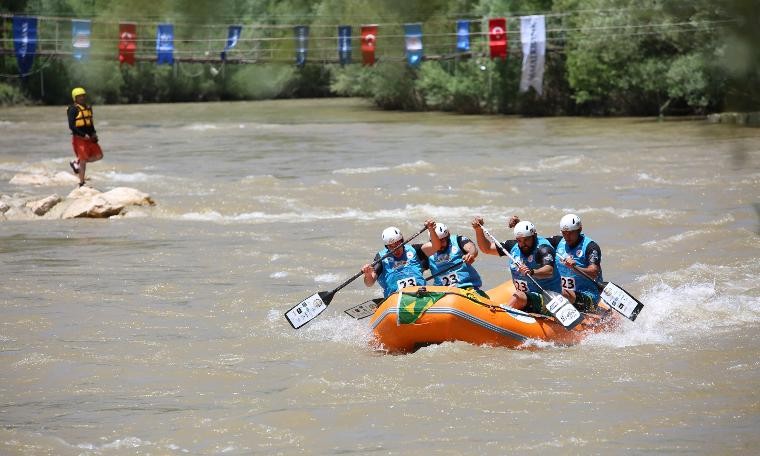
(127, 42)
(369, 38)
(497, 37)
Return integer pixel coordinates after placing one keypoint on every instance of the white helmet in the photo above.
(524, 229)
(441, 230)
(391, 235)
(570, 222)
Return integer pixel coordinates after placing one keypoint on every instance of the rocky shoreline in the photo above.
(81, 202)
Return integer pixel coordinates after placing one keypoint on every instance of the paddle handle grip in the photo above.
(599, 286)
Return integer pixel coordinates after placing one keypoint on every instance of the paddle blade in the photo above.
(364, 309)
(620, 300)
(308, 309)
(562, 310)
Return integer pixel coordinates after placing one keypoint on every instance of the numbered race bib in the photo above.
(521, 285)
(450, 280)
(568, 283)
(406, 282)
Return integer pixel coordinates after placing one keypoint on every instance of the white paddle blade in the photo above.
(364, 309)
(621, 301)
(305, 311)
(563, 311)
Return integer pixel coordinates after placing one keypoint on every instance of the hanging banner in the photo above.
(413, 40)
(497, 37)
(533, 38)
(127, 42)
(233, 36)
(344, 44)
(25, 42)
(463, 35)
(80, 38)
(302, 39)
(369, 40)
(165, 44)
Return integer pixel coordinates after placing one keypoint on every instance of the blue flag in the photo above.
(302, 37)
(413, 38)
(233, 35)
(165, 44)
(344, 44)
(80, 38)
(463, 35)
(25, 42)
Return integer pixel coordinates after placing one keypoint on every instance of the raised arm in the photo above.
(485, 245)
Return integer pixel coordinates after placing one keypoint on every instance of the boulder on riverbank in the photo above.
(43, 178)
(81, 202)
(751, 119)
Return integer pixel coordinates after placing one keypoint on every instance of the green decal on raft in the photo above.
(411, 306)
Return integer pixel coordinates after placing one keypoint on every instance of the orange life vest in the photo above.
(84, 116)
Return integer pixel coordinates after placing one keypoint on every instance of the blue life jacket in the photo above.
(571, 280)
(400, 272)
(463, 276)
(523, 282)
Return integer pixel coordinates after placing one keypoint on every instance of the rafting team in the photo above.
(552, 262)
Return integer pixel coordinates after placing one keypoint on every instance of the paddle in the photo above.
(558, 305)
(616, 297)
(309, 308)
(367, 308)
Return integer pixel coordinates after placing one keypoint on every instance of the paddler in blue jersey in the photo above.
(535, 257)
(401, 269)
(450, 258)
(573, 248)
(576, 249)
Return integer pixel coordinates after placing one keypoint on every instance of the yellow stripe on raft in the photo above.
(462, 315)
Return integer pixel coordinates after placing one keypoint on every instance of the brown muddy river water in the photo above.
(164, 333)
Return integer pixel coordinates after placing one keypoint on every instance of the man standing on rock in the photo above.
(83, 136)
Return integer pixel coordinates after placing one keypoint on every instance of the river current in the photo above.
(163, 333)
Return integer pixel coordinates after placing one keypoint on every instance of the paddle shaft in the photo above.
(358, 274)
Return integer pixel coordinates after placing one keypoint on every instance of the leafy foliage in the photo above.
(603, 56)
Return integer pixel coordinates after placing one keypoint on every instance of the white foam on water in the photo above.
(644, 177)
(209, 216)
(695, 307)
(658, 214)
(126, 442)
(278, 275)
(129, 177)
(326, 278)
(366, 170)
(338, 328)
(259, 177)
(409, 212)
(201, 127)
(553, 163)
(669, 241)
(419, 164)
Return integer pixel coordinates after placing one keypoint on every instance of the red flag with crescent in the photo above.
(127, 42)
(369, 39)
(497, 37)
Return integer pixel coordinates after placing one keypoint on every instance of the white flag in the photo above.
(533, 38)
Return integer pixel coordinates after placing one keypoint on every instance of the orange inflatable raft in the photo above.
(462, 315)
